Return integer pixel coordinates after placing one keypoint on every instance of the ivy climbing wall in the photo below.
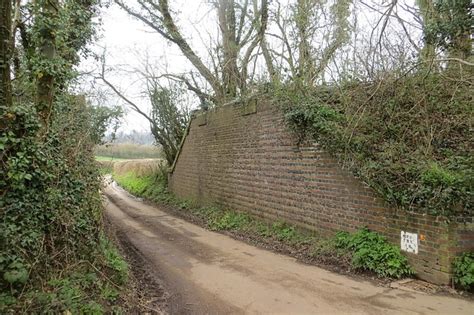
(242, 156)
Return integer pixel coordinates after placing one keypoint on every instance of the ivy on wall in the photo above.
(410, 139)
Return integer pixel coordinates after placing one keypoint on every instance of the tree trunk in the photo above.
(178, 39)
(230, 72)
(427, 11)
(341, 13)
(462, 41)
(5, 52)
(45, 84)
(274, 77)
(305, 59)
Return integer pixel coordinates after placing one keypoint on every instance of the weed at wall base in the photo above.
(463, 271)
(371, 251)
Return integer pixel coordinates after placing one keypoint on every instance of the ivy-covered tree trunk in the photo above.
(230, 71)
(306, 68)
(46, 20)
(5, 52)
(458, 23)
(447, 25)
(427, 11)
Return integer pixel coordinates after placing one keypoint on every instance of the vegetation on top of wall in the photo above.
(463, 271)
(363, 250)
(409, 138)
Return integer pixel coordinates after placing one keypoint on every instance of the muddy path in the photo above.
(209, 273)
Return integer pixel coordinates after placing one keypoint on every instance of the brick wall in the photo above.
(243, 157)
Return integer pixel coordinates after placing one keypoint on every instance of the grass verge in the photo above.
(87, 287)
(105, 167)
(364, 250)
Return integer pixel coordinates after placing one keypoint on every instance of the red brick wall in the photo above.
(245, 158)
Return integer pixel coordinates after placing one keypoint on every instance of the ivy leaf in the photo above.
(16, 276)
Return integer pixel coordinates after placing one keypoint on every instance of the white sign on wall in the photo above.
(409, 242)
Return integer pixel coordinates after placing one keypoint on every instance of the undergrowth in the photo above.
(89, 287)
(105, 167)
(371, 251)
(410, 138)
(365, 250)
(463, 271)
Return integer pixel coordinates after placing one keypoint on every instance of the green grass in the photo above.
(152, 187)
(105, 169)
(363, 250)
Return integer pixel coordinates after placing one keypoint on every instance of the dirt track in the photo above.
(209, 273)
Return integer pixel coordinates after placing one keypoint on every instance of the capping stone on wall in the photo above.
(242, 156)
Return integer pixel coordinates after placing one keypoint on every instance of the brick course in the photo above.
(245, 158)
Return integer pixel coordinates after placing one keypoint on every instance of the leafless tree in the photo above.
(168, 116)
(309, 33)
(242, 26)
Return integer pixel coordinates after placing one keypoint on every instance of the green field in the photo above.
(108, 158)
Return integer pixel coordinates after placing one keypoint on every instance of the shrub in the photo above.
(371, 251)
(463, 271)
(50, 211)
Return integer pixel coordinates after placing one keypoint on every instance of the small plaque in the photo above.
(409, 242)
